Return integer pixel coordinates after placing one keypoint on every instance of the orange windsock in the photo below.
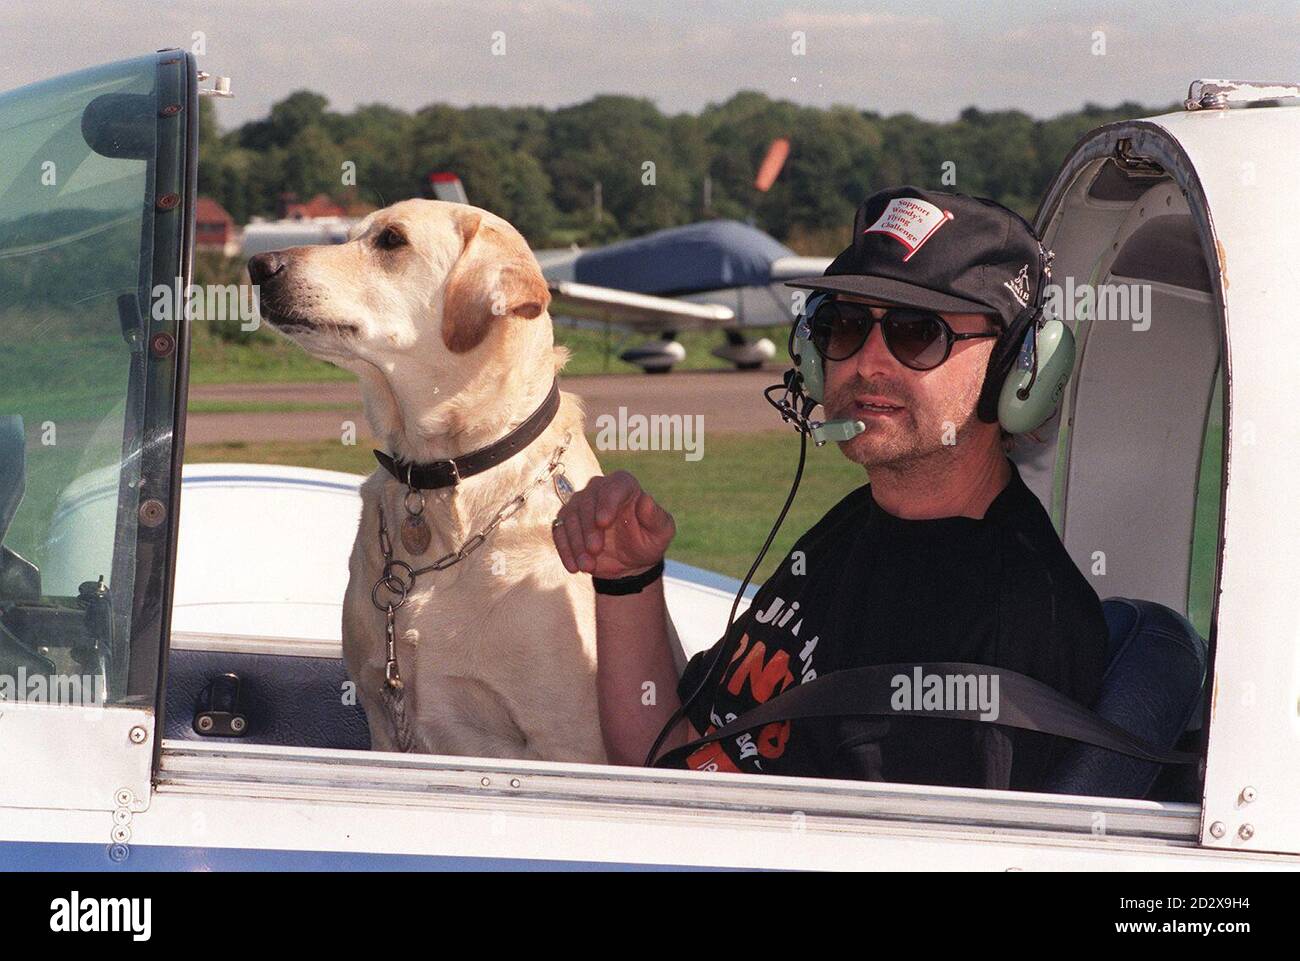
(772, 164)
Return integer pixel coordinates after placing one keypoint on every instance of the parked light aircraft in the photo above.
(731, 267)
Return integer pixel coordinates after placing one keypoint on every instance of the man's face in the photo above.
(931, 409)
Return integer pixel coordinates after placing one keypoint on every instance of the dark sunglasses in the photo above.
(919, 339)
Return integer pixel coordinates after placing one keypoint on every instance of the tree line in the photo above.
(617, 166)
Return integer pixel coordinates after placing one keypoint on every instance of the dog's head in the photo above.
(419, 284)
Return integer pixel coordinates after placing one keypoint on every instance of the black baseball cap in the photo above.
(939, 251)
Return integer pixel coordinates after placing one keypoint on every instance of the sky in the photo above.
(932, 58)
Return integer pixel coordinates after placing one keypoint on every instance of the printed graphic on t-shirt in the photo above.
(878, 589)
(763, 665)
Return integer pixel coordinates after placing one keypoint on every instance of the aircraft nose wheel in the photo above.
(656, 357)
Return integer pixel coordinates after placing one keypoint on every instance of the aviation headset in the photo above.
(1027, 371)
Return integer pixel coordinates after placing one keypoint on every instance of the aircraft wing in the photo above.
(642, 313)
(788, 268)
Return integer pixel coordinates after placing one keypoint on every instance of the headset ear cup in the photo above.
(810, 369)
(807, 361)
(1001, 365)
(1019, 415)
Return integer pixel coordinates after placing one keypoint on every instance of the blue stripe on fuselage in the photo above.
(60, 856)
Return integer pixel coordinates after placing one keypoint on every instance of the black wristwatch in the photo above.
(635, 584)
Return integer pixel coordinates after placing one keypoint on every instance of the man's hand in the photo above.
(612, 528)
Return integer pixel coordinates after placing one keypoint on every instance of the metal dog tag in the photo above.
(563, 488)
(415, 534)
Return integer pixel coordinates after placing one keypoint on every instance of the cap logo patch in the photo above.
(1019, 286)
(911, 222)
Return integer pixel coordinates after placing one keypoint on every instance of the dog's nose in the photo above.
(265, 266)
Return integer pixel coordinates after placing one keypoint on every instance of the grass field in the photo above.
(254, 359)
(260, 407)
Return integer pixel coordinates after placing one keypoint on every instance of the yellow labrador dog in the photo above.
(441, 310)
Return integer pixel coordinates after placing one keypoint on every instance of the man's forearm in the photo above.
(636, 676)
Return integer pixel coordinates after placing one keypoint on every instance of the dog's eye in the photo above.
(390, 238)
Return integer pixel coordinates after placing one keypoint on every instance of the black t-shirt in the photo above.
(865, 587)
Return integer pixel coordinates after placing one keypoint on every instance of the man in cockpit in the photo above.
(945, 556)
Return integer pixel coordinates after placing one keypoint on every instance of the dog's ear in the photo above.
(496, 276)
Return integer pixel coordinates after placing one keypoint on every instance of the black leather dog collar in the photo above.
(446, 473)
